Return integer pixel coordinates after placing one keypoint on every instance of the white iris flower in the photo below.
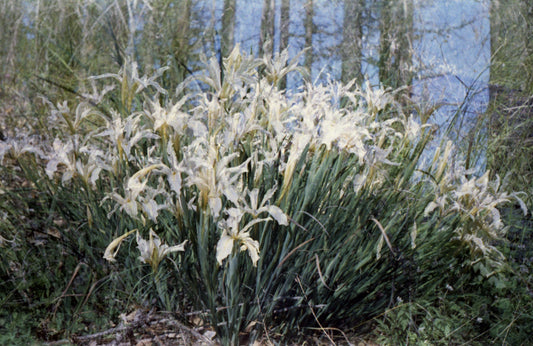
(153, 251)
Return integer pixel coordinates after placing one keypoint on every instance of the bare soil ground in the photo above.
(150, 328)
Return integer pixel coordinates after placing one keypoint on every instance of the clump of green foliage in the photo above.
(272, 211)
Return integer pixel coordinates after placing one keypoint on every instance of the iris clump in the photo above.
(290, 211)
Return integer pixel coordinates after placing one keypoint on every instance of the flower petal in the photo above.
(278, 215)
(224, 247)
(215, 204)
(175, 248)
(108, 253)
(251, 245)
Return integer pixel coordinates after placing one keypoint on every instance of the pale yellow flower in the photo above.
(228, 239)
(153, 251)
(110, 252)
(255, 208)
(232, 235)
(214, 177)
(163, 117)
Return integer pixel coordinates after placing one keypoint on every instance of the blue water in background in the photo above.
(454, 60)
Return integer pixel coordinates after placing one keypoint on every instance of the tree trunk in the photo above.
(309, 29)
(351, 46)
(266, 36)
(228, 28)
(284, 32)
(396, 27)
